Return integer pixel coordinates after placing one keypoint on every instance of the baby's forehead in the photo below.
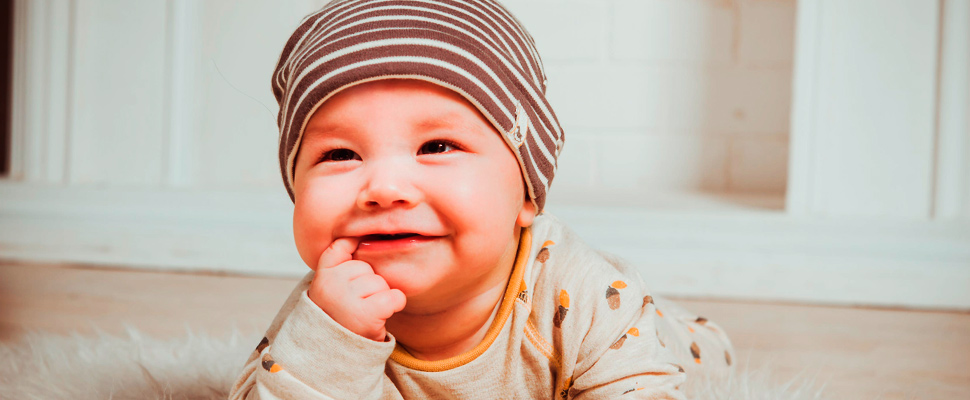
(416, 106)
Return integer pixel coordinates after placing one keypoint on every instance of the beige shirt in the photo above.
(574, 323)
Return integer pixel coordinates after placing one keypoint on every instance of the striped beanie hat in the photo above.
(473, 47)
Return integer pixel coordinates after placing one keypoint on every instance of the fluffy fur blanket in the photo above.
(201, 367)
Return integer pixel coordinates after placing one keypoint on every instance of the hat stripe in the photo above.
(509, 22)
(313, 20)
(326, 32)
(362, 44)
(528, 143)
(549, 158)
(534, 95)
(386, 44)
(522, 60)
(542, 102)
(313, 37)
(538, 188)
(474, 47)
(348, 24)
(544, 166)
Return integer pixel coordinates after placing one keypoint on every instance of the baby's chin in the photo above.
(412, 277)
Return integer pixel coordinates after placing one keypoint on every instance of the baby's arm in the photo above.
(633, 365)
(618, 353)
(307, 354)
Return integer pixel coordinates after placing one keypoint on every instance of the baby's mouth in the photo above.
(393, 242)
(395, 236)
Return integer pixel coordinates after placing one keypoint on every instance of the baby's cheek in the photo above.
(309, 239)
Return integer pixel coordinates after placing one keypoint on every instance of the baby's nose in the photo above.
(389, 185)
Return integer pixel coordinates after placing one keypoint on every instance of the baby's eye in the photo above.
(437, 147)
(339, 155)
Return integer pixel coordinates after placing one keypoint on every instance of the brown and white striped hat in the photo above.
(473, 47)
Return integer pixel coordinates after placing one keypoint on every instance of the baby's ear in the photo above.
(527, 214)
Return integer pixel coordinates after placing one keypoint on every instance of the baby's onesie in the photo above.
(574, 323)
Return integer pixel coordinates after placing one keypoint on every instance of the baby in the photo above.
(417, 145)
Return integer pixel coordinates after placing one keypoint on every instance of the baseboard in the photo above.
(764, 255)
(245, 232)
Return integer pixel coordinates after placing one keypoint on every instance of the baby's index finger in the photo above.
(339, 252)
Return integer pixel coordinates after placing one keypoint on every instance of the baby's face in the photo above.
(421, 178)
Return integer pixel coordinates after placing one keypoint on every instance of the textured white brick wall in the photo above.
(654, 95)
(668, 95)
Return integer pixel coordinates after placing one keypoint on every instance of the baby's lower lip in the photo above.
(369, 244)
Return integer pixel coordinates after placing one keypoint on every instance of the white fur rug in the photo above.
(201, 367)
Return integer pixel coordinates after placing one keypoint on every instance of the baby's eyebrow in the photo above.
(320, 131)
(449, 120)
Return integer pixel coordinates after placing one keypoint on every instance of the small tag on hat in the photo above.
(521, 128)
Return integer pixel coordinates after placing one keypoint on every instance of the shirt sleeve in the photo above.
(307, 355)
(698, 342)
(620, 355)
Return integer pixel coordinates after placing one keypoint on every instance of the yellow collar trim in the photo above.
(401, 356)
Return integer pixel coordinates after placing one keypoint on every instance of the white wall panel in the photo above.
(42, 66)
(870, 117)
(568, 31)
(185, 93)
(729, 100)
(683, 69)
(578, 165)
(602, 97)
(678, 163)
(119, 99)
(241, 42)
(801, 160)
(953, 147)
(686, 31)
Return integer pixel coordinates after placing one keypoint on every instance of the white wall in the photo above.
(668, 95)
(147, 138)
(653, 95)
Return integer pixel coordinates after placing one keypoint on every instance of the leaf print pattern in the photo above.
(696, 352)
(270, 365)
(648, 299)
(543, 255)
(619, 342)
(262, 345)
(613, 294)
(563, 308)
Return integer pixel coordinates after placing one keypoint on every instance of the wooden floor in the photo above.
(858, 353)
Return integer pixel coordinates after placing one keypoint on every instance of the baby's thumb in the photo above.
(385, 303)
(339, 252)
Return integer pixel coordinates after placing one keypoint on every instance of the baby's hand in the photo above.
(351, 293)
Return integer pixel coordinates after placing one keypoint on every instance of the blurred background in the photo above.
(810, 151)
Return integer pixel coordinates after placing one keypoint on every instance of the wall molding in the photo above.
(183, 93)
(760, 255)
(803, 108)
(952, 196)
(42, 85)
